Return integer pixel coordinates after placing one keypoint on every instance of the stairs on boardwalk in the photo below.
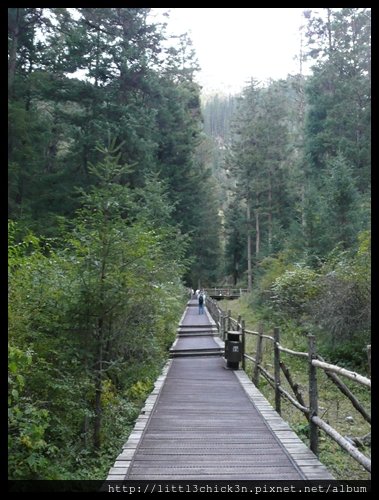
(197, 334)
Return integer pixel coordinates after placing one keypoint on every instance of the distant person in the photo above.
(201, 303)
(192, 293)
(197, 293)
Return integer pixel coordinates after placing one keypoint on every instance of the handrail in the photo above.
(251, 332)
(290, 351)
(223, 291)
(342, 371)
(344, 443)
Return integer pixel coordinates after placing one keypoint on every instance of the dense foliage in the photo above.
(134, 88)
(89, 325)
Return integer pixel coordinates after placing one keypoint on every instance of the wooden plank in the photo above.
(226, 451)
(202, 476)
(287, 438)
(204, 434)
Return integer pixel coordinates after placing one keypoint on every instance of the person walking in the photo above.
(201, 304)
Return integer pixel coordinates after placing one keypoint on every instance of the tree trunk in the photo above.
(13, 53)
(303, 222)
(329, 27)
(97, 60)
(258, 234)
(98, 388)
(97, 426)
(235, 272)
(99, 367)
(301, 52)
(86, 422)
(249, 266)
(270, 212)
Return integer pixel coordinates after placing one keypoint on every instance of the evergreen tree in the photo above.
(339, 90)
(235, 249)
(342, 212)
(137, 91)
(260, 161)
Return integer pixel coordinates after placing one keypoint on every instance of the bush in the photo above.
(292, 291)
(340, 309)
(29, 453)
(343, 308)
(268, 271)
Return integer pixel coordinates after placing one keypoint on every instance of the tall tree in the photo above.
(246, 159)
(235, 248)
(21, 30)
(259, 160)
(121, 263)
(339, 92)
(343, 215)
(136, 90)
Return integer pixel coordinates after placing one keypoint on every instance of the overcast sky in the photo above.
(235, 44)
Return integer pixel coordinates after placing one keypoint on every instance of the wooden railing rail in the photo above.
(342, 371)
(225, 291)
(290, 351)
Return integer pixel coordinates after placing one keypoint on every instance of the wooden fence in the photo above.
(227, 324)
(224, 292)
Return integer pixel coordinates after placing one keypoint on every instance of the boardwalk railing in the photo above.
(225, 292)
(227, 324)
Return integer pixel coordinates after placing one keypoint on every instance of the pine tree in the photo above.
(343, 215)
(339, 91)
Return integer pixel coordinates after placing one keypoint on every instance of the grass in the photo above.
(334, 407)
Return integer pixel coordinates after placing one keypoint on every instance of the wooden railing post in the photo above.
(243, 344)
(277, 369)
(258, 355)
(225, 321)
(229, 322)
(369, 359)
(313, 394)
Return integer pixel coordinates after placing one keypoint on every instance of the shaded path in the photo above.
(204, 421)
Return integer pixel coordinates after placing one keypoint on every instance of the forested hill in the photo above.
(124, 189)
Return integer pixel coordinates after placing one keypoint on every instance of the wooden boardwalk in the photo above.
(204, 421)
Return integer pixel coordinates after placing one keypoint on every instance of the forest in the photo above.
(126, 186)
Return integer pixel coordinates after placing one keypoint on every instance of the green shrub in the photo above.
(292, 291)
(29, 453)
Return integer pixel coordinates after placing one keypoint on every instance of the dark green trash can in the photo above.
(233, 350)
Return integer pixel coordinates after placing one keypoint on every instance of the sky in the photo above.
(234, 44)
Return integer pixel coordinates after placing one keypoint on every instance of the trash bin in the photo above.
(233, 350)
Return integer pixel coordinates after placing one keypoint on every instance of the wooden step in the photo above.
(202, 329)
(195, 352)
